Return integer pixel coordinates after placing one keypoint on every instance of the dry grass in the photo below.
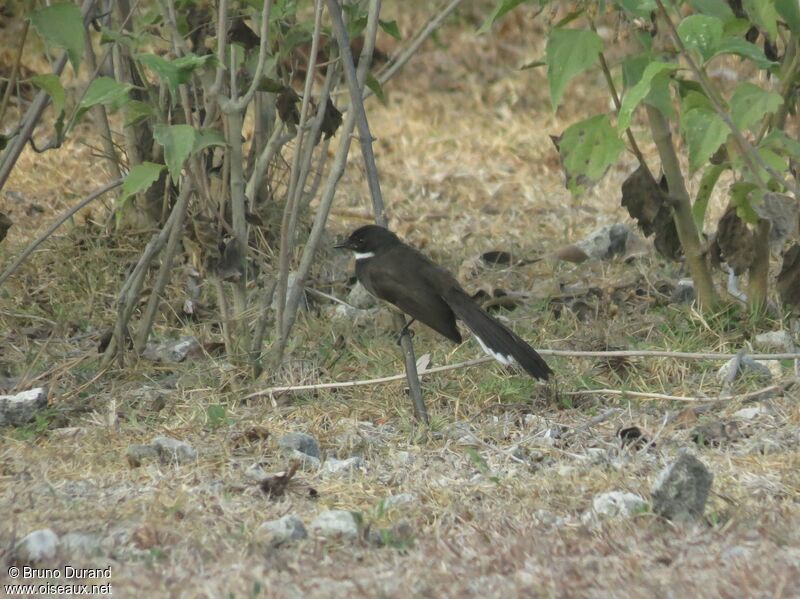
(467, 166)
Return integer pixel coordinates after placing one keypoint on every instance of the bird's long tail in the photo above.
(498, 341)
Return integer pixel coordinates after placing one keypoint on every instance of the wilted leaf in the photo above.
(276, 485)
(788, 283)
(782, 213)
(331, 120)
(736, 241)
(588, 149)
(178, 142)
(287, 108)
(240, 33)
(5, 224)
(61, 25)
(569, 52)
(646, 202)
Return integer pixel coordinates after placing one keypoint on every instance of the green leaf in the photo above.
(569, 52)
(52, 85)
(763, 15)
(376, 88)
(105, 90)
(638, 8)
(207, 137)
(635, 95)
(702, 33)
(217, 416)
(140, 178)
(391, 28)
(136, 111)
(500, 9)
(789, 10)
(741, 198)
(178, 142)
(588, 149)
(702, 129)
(175, 72)
(707, 183)
(778, 141)
(714, 8)
(750, 103)
(741, 47)
(61, 25)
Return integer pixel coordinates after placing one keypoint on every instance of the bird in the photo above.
(401, 275)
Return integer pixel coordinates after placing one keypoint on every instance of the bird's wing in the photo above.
(411, 294)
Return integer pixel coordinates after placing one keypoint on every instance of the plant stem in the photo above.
(758, 273)
(682, 209)
(365, 139)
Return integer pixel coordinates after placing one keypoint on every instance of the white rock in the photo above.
(750, 413)
(780, 340)
(288, 528)
(745, 364)
(335, 523)
(172, 451)
(617, 504)
(171, 351)
(79, 543)
(38, 545)
(394, 501)
(334, 466)
(22, 407)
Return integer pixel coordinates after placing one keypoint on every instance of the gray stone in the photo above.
(681, 489)
(302, 442)
(741, 364)
(360, 298)
(399, 535)
(334, 466)
(779, 340)
(335, 523)
(172, 451)
(288, 528)
(255, 472)
(171, 351)
(137, 454)
(618, 504)
(80, 543)
(307, 462)
(37, 546)
(750, 413)
(606, 242)
(21, 408)
(394, 501)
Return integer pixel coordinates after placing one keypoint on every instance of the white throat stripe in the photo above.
(364, 255)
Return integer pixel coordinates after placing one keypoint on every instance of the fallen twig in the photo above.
(643, 395)
(550, 352)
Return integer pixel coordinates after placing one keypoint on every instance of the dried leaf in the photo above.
(788, 283)
(276, 485)
(645, 201)
(736, 242)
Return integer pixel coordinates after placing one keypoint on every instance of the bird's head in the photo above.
(366, 241)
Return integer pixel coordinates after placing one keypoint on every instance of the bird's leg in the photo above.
(405, 330)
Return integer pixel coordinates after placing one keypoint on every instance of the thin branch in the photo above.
(365, 139)
(544, 352)
(241, 104)
(61, 220)
(749, 154)
(661, 396)
(34, 113)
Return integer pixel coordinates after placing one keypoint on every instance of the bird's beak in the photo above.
(342, 245)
